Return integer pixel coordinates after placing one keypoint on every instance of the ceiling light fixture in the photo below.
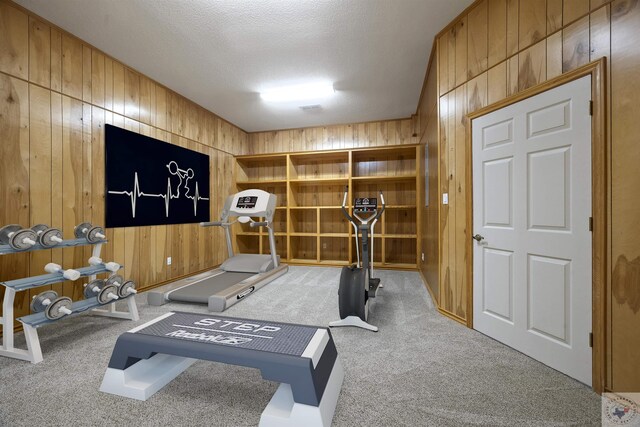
(298, 92)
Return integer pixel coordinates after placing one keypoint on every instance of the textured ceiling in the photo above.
(222, 53)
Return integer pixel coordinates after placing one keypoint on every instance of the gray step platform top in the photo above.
(299, 355)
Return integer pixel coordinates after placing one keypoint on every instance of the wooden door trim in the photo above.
(600, 196)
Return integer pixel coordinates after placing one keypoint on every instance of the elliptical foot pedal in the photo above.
(353, 321)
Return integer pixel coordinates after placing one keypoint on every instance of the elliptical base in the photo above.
(353, 321)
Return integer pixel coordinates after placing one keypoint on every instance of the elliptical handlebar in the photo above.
(380, 211)
(344, 203)
(350, 218)
(213, 224)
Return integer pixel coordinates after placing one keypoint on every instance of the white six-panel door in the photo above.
(531, 209)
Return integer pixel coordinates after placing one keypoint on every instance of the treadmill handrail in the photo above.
(259, 224)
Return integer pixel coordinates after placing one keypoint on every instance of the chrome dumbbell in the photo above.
(103, 291)
(53, 307)
(17, 237)
(125, 287)
(67, 274)
(47, 236)
(89, 232)
(110, 266)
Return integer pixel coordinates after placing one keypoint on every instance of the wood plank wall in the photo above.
(429, 234)
(334, 137)
(497, 48)
(56, 95)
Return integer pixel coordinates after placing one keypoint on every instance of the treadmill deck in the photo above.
(201, 291)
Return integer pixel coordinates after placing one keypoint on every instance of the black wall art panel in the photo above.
(151, 182)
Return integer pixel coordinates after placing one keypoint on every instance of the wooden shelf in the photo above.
(316, 156)
(333, 262)
(302, 261)
(320, 181)
(311, 228)
(395, 178)
(315, 207)
(400, 206)
(395, 265)
(263, 182)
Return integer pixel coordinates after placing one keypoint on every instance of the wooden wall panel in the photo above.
(40, 196)
(532, 22)
(14, 41)
(56, 177)
(554, 16)
(574, 9)
(477, 51)
(554, 55)
(39, 52)
(14, 151)
(71, 66)
(513, 17)
(56, 95)
(600, 33)
(460, 37)
(56, 59)
(442, 63)
(533, 65)
(86, 73)
(512, 75)
(497, 31)
(476, 90)
(497, 83)
(625, 250)
(353, 135)
(542, 40)
(575, 45)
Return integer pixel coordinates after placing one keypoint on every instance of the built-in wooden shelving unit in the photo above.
(309, 225)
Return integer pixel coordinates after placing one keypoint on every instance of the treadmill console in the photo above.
(247, 202)
(365, 204)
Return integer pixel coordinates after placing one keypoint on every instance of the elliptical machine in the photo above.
(357, 286)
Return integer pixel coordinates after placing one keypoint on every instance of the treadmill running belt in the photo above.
(201, 291)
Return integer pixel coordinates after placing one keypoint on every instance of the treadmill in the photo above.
(241, 274)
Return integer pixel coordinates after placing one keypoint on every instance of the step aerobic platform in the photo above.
(302, 358)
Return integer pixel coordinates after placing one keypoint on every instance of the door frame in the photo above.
(599, 193)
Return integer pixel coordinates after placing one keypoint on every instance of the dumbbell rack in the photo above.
(31, 322)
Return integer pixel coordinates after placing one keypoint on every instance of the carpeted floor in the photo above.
(420, 369)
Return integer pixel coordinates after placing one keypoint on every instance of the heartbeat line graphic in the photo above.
(182, 174)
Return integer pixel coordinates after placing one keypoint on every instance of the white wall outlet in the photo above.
(168, 260)
(445, 198)
(422, 256)
(324, 245)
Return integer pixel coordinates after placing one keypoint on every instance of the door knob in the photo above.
(478, 237)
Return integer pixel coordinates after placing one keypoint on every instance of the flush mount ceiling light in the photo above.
(298, 92)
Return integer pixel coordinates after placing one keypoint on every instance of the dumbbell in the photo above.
(105, 292)
(53, 307)
(47, 236)
(110, 266)
(67, 274)
(125, 288)
(17, 237)
(89, 232)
